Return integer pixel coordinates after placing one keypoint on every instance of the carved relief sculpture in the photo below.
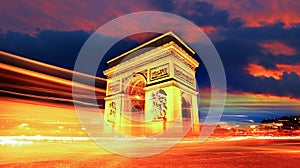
(159, 104)
(111, 115)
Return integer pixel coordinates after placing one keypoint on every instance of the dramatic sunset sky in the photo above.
(258, 42)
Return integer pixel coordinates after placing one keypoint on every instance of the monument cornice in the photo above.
(169, 49)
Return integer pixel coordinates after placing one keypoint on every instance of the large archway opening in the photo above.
(136, 102)
(136, 93)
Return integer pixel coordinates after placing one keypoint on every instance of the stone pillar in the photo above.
(171, 95)
(114, 106)
(195, 114)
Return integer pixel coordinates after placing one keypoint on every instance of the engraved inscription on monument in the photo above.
(159, 72)
(183, 75)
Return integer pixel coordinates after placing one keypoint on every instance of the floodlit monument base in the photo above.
(152, 89)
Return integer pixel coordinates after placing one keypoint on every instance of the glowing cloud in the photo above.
(260, 71)
(27, 16)
(260, 12)
(277, 48)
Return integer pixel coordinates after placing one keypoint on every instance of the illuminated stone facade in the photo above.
(151, 87)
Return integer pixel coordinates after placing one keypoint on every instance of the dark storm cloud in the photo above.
(287, 86)
(242, 45)
(201, 13)
(240, 48)
(237, 45)
(58, 48)
(206, 15)
(54, 47)
(269, 32)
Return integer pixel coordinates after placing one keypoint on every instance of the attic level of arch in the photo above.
(168, 49)
(151, 76)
